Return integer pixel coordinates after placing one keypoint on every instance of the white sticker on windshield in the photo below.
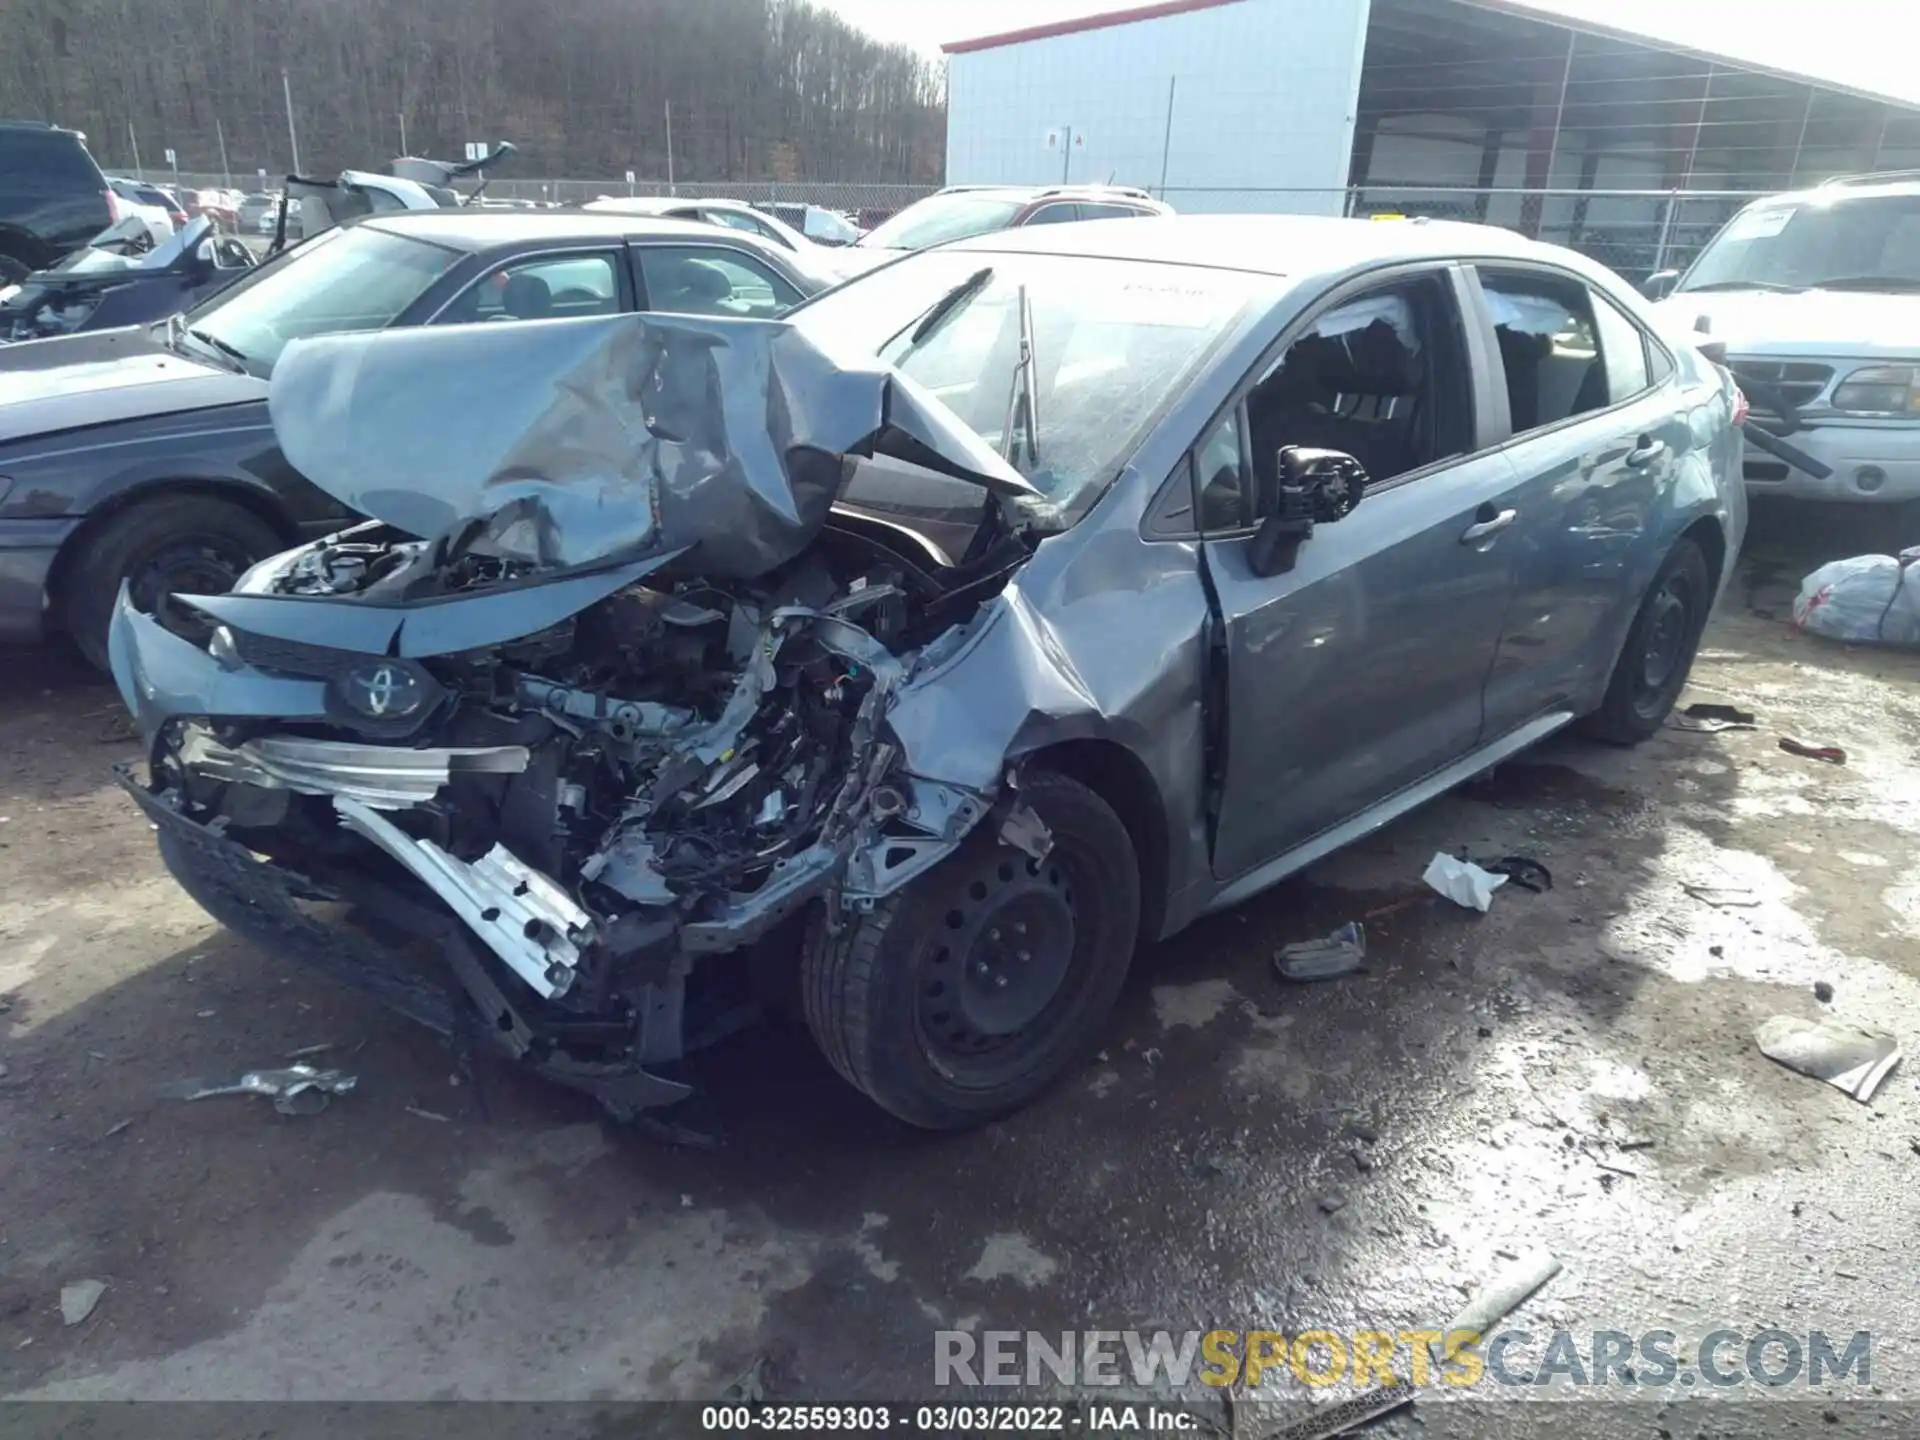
(1761, 224)
(1174, 305)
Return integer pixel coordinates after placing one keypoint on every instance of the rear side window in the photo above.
(1110, 212)
(1548, 347)
(1623, 348)
(1055, 214)
(46, 160)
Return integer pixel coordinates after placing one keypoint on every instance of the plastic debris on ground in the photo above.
(1711, 719)
(1492, 1302)
(78, 1299)
(1522, 870)
(1868, 600)
(1848, 1057)
(1463, 882)
(1832, 754)
(1723, 897)
(1340, 953)
(1348, 1415)
(296, 1090)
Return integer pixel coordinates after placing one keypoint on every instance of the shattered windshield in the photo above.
(353, 278)
(1111, 344)
(1861, 242)
(940, 218)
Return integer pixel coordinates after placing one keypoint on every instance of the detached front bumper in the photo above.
(1872, 465)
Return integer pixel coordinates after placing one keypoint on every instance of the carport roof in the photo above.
(1830, 53)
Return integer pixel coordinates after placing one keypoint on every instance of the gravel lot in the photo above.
(1574, 1070)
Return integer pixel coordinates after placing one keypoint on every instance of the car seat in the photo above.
(527, 297)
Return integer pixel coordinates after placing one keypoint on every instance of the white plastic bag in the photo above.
(1463, 882)
(1870, 599)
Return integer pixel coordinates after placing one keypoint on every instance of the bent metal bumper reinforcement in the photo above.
(386, 777)
(520, 914)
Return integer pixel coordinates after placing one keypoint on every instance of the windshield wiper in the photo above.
(1868, 282)
(1772, 285)
(945, 307)
(1025, 392)
(214, 342)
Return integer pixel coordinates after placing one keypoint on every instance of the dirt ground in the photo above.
(1574, 1070)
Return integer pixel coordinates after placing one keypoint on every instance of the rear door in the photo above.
(716, 279)
(1598, 425)
(1360, 671)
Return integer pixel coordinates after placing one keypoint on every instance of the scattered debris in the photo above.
(1362, 1161)
(1463, 882)
(750, 1386)
(1617, 1169)
(1499, 1298)
(1332, 1202)
(307, 1050)
(1863, 600)
(1634, 1144)
(1524, 871)
(1026, 832)
(1832, 754)
(78, 1299)
(1823, 992)
(1340, 953)
(427, 1114)
(1847, 1057)
(204, 1014)
(1723, 897)
(1711, 719)
(1348, 1415)
(116, 1128)
(296, 1090)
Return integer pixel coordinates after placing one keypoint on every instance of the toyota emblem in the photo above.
(385, 691)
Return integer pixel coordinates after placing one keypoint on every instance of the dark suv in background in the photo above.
(53, 198)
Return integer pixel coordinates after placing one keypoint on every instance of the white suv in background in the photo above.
(1816, 296)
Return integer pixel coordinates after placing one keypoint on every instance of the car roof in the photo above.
(1850, 187)
(660, 204)
(1268, 244)
(474, 229)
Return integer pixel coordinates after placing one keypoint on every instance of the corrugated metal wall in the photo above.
(1255, 94)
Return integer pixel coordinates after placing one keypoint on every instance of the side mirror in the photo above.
(1659, 285)
(1313, 486)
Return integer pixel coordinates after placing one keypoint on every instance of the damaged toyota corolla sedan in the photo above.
(918, 657)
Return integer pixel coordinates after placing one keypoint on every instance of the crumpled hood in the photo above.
(104, 377)
(1831, 324)
(570, 442)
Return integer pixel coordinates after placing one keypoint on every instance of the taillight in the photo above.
(1739, 406)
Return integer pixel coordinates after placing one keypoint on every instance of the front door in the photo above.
(1361, 669)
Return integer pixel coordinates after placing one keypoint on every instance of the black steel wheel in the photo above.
(966, 994)
(188, 544)
(1658, 656)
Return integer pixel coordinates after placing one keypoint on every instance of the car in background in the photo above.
(817, 223)
(53, 198)
(962, 211)
(1085, 580)
(133, 197)
(145, 458)
(738, 215)
(222, 207)
(1816, 296)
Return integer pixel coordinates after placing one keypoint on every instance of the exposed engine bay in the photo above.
(602, 773)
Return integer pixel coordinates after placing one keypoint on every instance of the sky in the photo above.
(1850, 40)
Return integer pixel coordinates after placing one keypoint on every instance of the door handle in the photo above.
(1646, 452)
(1482, 529)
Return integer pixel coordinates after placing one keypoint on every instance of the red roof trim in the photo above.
(1085, 22)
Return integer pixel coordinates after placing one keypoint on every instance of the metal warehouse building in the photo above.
(1633, 147)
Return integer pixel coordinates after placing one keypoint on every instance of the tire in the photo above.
(897, 1005)
(1654, 663)
(194, 544)
(12, 271)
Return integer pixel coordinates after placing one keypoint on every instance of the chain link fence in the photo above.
(1635, 232)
